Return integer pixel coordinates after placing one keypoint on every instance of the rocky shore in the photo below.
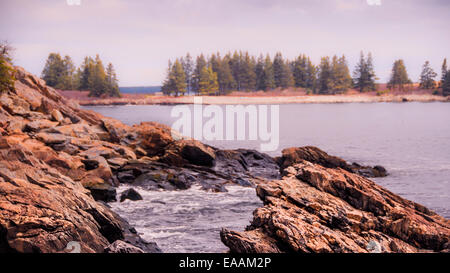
(323, 206)
(59, 166)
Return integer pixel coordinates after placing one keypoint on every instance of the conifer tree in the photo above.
(199, 65)
(225, 75)
(86, 70)
(236, 68)
(364, 75)
(54, 71)
(340, 75)
(282, 72)
(278, 67)
(208, 84)
(443, 71)
(268, 80)
(168, 85)
(188, 67)
(287, 79)
(175, 82)
(67, 80)
(248, 75)
(427, 77)
(112, 81)
(446, 84)
(97, 79)
(325, 74)
(311, 76)
(300, 71)
(259, 71)
(399, 76)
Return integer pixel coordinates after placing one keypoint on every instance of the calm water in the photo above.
(410, 139)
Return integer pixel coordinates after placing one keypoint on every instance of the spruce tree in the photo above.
(443, 71)
(340, 75)
(311, 76)
(259, 71)
(67, 80)
(399, 76)
(208, 84)
(427, 77)
(446, 84)
(325, 74)
(248, 75)
(300, 71)
(179, 78)
(287, 79)
(54, 71)
(282, 72)
(175, 82)
(236, 68)
(97, 79)
(168, 85)
(112, 81)
(278, 67)
(188, 67)
(268, 81)
(225, 76)
(371, 77)
(364, 74)
(199, 65)
(86, 70)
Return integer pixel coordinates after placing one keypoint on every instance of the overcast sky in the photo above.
(139, 36)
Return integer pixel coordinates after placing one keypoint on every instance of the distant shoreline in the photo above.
(142, 99)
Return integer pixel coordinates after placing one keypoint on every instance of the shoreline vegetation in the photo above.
(280, 97)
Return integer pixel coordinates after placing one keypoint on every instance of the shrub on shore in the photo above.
(6, 70)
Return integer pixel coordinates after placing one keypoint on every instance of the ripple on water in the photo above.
(182, 221)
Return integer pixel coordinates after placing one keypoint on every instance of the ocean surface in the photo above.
(411, 140)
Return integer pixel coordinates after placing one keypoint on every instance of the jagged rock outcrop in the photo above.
(317, 208)
(315, 155)
(49, 150)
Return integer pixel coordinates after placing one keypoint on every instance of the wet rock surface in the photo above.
(317, 208)
(130, 194)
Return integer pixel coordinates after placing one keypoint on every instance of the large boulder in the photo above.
(151, 137)
(197, 153)
(130, 194)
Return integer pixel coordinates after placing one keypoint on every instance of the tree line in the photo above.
(92, 76)
(238, 71)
